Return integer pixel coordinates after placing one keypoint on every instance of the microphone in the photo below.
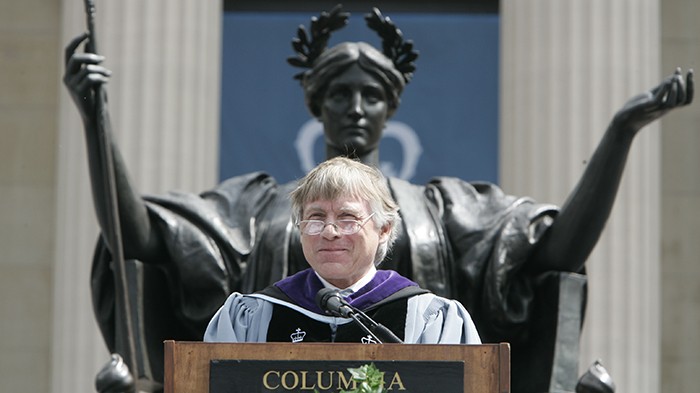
(330, 301)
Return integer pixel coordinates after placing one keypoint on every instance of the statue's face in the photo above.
(354, 111)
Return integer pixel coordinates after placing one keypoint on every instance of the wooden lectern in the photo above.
(190, 366)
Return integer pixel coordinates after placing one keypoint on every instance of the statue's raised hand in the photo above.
(83, 75)
(582, 218)
(83, 72)
(675, 91)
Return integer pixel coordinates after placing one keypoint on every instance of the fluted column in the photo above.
(164, 103)
(567, 66)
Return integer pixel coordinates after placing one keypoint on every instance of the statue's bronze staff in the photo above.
(114, 234)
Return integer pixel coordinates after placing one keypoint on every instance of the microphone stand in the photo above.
(332, 303)
(373, 327)
(354, 315)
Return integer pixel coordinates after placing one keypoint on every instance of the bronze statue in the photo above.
(468, 241)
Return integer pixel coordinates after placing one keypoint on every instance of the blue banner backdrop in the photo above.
(447, 124)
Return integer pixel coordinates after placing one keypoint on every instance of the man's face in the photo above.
(354, 111)
(341, 259)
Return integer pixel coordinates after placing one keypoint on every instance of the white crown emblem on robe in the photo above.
(369, 340)
(298, 336)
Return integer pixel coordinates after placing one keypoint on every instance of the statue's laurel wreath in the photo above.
(309, 48)
(394, 47)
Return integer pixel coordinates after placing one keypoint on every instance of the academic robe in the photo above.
(287, 312)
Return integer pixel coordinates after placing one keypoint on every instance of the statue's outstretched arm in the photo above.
(578, 226)
(84, 71)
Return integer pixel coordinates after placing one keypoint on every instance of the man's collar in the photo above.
(344, 292)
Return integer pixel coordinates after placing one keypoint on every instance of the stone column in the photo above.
(566, 68)
(680, 196)
(164, 103)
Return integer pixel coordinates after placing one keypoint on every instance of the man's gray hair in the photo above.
(341, 176)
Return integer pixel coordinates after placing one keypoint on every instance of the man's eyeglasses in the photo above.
(345, 227)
